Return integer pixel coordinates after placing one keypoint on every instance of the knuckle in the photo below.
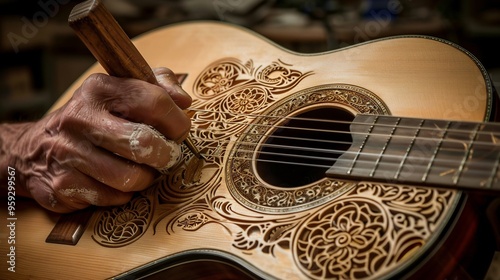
(130, 94)
(166, 79)
(93, 84)
(163, 71)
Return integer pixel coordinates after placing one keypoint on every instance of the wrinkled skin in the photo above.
(100, 147)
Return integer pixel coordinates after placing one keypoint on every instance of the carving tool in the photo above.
(111, 46)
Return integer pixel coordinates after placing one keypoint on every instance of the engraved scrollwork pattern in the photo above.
(371, 229)
(350, 231)
(242, 181)
(228, 91)
(220, 77)
(120, 226)
(343, 239)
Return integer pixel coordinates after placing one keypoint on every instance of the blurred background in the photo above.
(40, 56)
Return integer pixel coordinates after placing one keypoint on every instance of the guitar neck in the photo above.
(437, 153)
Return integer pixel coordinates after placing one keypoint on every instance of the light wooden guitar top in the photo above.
(325, 229)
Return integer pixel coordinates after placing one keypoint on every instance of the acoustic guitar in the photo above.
(348, 164)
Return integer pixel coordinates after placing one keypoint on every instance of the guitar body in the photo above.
(231, 217)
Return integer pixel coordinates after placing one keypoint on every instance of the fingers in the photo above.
(72, 172)
(106, 142)
(168, 81)
(138, 101)
(136, 142)
(72, 151)
(70, 191)
(112, 171)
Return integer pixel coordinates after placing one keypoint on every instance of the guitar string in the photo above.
(432, 129)
(481, 173)
(349, 132)
(445, 140)
(325, 141)
(412, 159)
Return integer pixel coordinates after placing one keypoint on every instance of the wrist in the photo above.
(13, 155)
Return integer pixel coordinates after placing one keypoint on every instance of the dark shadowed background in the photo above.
(40, 56)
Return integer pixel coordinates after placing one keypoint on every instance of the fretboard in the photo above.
(436, 153)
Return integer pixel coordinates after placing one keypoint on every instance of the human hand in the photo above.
(104, 144)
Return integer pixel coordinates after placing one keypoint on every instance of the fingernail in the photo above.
(180, 90)
(163, 78)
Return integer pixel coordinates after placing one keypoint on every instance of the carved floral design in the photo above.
(220, 77)
(344, 239)
(192, 221)
(332, 229)
(246, 100)
(232, 75)
(123, 225)
(242, 179)
(370, 230)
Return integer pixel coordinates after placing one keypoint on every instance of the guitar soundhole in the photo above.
(303, 147)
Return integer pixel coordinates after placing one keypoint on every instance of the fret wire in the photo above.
(403, 158)
(470, 151)
(321, 120)
(434, 154)
(296, 156)
(362, 146)
(482, 172)
(384, 148)
(251, 152)
(415, 135)
(284, 162)
(347, 132)
(345, 142)
(495, 170)
(335, 151)
(466, 157)
(250, 158)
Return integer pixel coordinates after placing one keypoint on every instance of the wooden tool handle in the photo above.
(107, 41)
(111, 46)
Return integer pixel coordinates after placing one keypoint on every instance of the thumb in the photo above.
(168, 81)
